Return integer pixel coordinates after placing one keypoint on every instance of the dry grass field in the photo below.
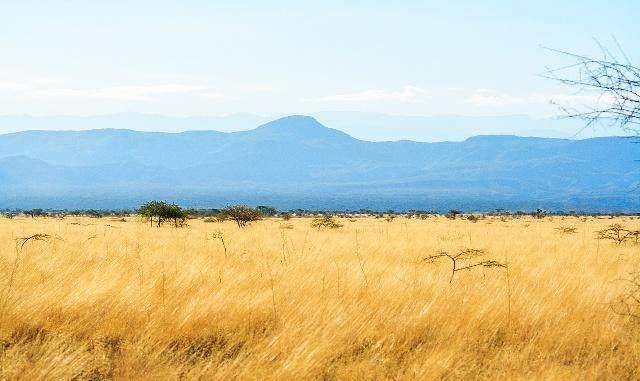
(102, 298)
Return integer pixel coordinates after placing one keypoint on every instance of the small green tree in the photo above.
(151, 210)
(175, 213)
(162, 211)
(267, 211)
(36, 213)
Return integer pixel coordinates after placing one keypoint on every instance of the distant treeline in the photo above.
(268, 211)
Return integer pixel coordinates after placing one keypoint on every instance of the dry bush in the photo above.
(242, 214)
(326, 221)
(618, 234)
(473, 218)
(220, 236)
(285, 216)
(464, 259)
(567, 230)
(628, 303)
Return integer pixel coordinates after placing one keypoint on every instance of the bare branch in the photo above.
(614, 85)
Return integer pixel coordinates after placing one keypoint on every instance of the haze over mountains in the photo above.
(361, 125)
(296, 162)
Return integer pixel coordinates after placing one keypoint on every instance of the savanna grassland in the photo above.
(104, 298)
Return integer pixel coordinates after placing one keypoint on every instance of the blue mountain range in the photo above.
(296, 162)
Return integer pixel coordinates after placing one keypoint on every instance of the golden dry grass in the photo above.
(103, 299)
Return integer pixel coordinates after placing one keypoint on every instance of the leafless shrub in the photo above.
(566, 230)
(219, 236)
(618, 234)
(628, 304)
(464, 259)
(36, 237)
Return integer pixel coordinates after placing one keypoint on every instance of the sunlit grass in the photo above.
(102, 298)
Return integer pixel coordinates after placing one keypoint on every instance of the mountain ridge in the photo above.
(300, 157)
(361, 125)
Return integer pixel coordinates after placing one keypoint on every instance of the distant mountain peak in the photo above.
(293, 121)
(300, 126)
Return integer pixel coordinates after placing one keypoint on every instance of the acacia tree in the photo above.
(464, 259)
(613, 84)
(151, 209)
(162, 211)
(242, 214)
(267, 211)
(175, 213)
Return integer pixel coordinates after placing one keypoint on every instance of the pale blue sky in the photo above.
(194, 57)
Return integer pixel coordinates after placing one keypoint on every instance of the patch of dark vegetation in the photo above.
(196, 348)
(218, 215)
(326, 221)
(100, 373)
(28, 333)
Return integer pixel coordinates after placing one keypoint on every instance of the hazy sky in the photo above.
(193, 57)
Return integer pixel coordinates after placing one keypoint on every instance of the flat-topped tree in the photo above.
(162, 211)
(242, 214)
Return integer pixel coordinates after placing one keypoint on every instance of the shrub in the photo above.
(325, 222)
(285, 216)
(452, 214)
(618, 234)
(566, 230)
(473, 218)
(464, 259)
(242, 214)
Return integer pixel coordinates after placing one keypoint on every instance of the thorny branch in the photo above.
(461, 260)
(613, 83)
